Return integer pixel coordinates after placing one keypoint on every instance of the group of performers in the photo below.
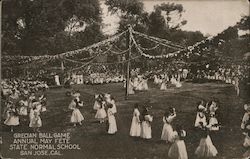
(21, 86)
(23, 106)
(165, 81)
(104, 106)
(137, 83)
(141, 127)
(96, 78)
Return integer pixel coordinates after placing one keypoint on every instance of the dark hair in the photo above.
(171, 109)
(167, 113)
(201, 102)
(110, 105)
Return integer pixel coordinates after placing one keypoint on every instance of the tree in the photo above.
(165, 20)
(31, 27)
(173, 15)
(244, 23)
(130, 12)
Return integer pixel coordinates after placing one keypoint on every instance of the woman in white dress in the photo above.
(24, 107)
(101, 113)
(112, 101)
(35, 119)
(97, 102)
(167, 131)
(163, 85)
(111, 120)
(200, 116)
(213, 123)
(76, 116)
(146, 131)
(139, 87)
(131, 88)
(12, 118)
(156, 81)
(206, 148)
(135, 129)
(144, 84)
(57, 80)
(136, 83)
(246, 117)
(178, 149)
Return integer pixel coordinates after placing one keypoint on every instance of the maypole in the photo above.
(128, 59)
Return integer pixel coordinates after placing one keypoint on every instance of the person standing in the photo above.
(178, 149)
(112, 129)
(135, 129)
(146, 131)
(12, 118)
(167, 130)
(206, 147)
(76, 116)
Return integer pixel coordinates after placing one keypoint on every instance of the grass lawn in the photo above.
(95, 143)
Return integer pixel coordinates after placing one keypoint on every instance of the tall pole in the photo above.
(128, 63)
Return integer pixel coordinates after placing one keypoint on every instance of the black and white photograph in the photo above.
(125, 79)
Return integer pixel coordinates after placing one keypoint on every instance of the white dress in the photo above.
(213, 124)
(76, 116)
(112, 122)
(101, 113)
(114, 109)
(178, 149)
(167, 130)
(96, 104)
(246, 141)
(11, 119)
(200, 117)
(35, 120)
(156, 79)
(178, 84)
(145, 85)
(163, 86)
(24, 108)
(146, 131)
(57, 80)
(206, 148)
(245, 119)
(136, 83)
(130, 88)
(139, 87)
(135, 129)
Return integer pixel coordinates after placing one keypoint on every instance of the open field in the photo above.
(95, 143)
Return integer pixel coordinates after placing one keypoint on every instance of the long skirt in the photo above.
(206, 148)
(76, 116)
(167, 133)
(135, 129)
(146, 132)
(112, 125)
(178, 150)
